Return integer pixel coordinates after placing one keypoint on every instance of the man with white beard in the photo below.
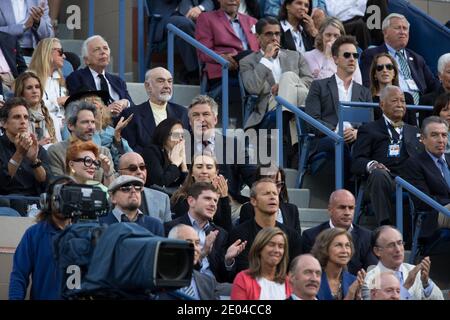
(159, 86)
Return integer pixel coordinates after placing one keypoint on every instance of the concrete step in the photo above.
(299, 197)
(311, 217)
(291, 177)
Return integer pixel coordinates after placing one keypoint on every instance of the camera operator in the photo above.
(126, 195)
(34, 254)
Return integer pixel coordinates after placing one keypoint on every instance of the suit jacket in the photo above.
(289, 212)
(158, 204)
(206, 286)
(214, 30)
(217, 255)
(416, 291)
(323, 100)
(363, 256)
(151, 224)
(258, 79)
(426, 176)
(420, 72)
(13, 54)
(9, 25)
(139, 132)
(372, 144)
(325, 291)
(287, 41)
(82, 79)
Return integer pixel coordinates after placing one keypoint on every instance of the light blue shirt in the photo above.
(401, 78)
(202, 235)
(238, 30)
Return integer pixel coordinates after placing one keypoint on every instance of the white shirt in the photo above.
(113, 94)
(271, 290)
(20, 10)
(346, 9)
(296, 35)
(4, 67)
(274, 65)
(349, 229)
(344, 94)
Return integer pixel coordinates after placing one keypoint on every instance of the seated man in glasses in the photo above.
(126, 195)
(388, 246)
(154, 203)
(324, 96)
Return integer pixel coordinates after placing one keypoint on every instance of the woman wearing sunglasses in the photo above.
(384, 72)
(83, 159)
(47, 62)
(288, 212)
(166, 158)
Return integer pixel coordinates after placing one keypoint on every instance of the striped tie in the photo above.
(189, 291)
(406, 72)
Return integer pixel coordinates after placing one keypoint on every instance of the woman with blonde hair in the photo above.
(47, 62)
(266, 278)
(28, 86)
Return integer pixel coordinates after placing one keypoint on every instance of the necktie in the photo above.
(406, 72)
(189, 291)
(394, 132)
(445, 171)
(104, 84)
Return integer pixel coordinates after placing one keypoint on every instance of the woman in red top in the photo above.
(265, 279)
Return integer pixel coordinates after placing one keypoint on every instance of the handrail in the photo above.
(339, 147)
(19, 197)
(172, 31)
(401, 183)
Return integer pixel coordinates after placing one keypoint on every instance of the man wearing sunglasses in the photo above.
(126, 193)
(154, 203)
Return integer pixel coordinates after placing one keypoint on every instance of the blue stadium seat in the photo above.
(8, 212)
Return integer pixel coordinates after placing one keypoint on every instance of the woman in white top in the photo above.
(46, 62)
(266, 278)
(320, 60)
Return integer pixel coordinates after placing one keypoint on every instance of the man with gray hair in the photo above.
(415, 76)
(96, 54)
(80, 118)
(381, 150)
(305, 274)
(159, 87)
(385, 286)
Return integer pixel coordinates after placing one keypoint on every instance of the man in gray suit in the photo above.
(155, 203)
(203, 286)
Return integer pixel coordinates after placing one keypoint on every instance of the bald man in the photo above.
(305, 275)
(154, 203)
(386, 287)
(341, 208)
(159, 87)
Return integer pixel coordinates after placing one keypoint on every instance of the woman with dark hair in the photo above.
(441, 109)
(204, 169)
(384, 72)
(266, 278)
(298, 26)
(288, 212)
(334, 249)
(165, 158)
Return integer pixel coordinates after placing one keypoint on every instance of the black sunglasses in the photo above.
(347, 55)
(127, 188)
(88, 161)
(60, 51)
(389, 66)
(133, 167)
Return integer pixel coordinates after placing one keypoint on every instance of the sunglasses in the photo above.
(347, 55)
(88, 161)
(60, 51)
(133, 167)
(127, 188)
(389, 66)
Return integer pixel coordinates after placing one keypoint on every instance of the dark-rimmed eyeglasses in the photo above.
(88, 161)
(133, 167)
(270, 34)
(389, 66)
(347, 55)
(127, 188)
(60, 51)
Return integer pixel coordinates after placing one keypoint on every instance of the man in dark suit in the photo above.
(96, 55)
(341, 209)
(159, 87)
(232, 155)
(305, 275)
(414, 74)
(381, 149)
(428, 172)
(202, 199)
(12, 62)
(264, 198)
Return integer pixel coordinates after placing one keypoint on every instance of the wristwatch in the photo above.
(37, 164)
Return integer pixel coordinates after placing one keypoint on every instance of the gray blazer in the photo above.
(208, 288)
(57, 155)
(258, 79)
(158, 203)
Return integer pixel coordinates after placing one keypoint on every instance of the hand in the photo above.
(274, 89)
(209, 242)
(272, 50)
(36, 13)
(234, 250)
(45, 141)
(220, 183)
(62, 100)
(350, 135)
(425, 266)
(193, 13)
(412, 277)
(33, 149)
(116, 107)
(327, 49)
(233, 63)
(308, 24)
(105, 163)
(23, 142)
(315, 73)
(176, 155)
(354, 291)
(318, 16)
(120, 126)
(378, 165)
